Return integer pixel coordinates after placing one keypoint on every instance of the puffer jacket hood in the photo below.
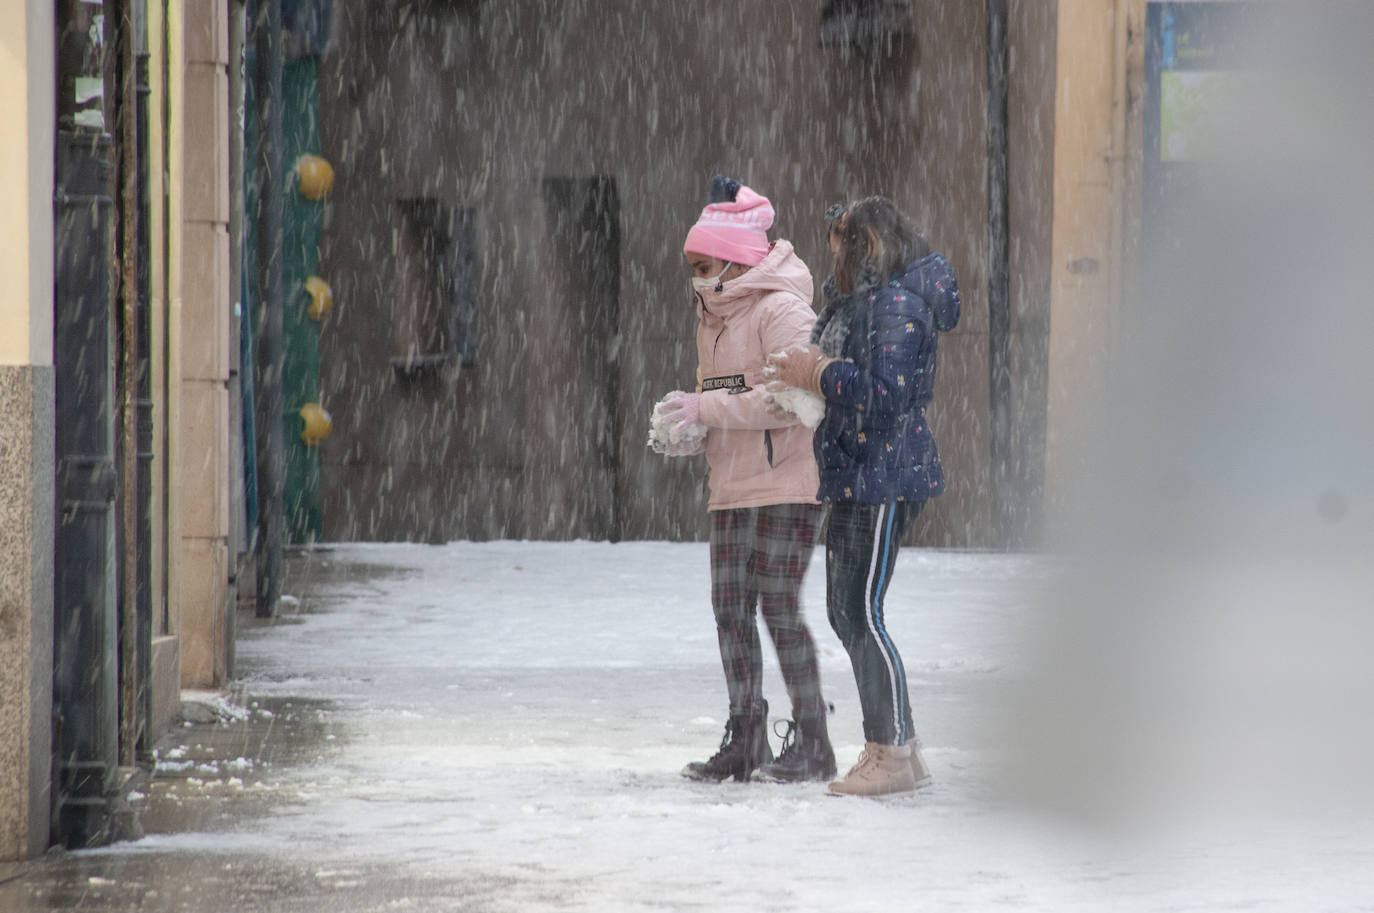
(780, 271)
(932, 279)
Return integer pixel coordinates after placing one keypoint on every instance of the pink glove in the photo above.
(669, 434)
(799, 366)
(681, 408)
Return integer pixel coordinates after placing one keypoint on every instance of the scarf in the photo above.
(842, 312)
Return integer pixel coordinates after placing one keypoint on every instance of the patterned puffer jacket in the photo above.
(875, 445)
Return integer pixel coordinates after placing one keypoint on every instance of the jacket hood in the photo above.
(932, 278)
(780, 271)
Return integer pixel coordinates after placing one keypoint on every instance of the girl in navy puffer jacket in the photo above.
(872, 358)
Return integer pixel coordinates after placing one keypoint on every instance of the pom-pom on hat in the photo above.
(734, 225)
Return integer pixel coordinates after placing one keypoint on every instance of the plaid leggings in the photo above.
(861, 544)
(758, 558)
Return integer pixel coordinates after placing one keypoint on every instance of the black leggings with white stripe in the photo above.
(862, 541)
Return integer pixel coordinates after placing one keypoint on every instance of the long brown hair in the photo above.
(875, 240)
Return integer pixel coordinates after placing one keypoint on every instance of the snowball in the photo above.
(804, 404)
(674, 438)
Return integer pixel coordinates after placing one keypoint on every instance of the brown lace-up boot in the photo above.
(806, 753)
(743, 750)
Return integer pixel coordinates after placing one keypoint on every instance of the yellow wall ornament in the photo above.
(321, 297)
(317, 424)
(315, 175)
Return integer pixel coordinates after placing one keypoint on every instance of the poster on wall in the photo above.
(1193, 77)
(1193, 105)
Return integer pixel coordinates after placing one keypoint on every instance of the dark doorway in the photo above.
(84, 684)
(572, 401)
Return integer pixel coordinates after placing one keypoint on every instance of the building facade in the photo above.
(502, 243)
(505, 242)
(118, 588)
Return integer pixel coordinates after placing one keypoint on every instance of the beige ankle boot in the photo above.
(882, 770)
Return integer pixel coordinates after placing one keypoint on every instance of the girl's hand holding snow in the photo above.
(799, 366)
(674, 429)
(794, 384)
(787, 403)
(680, 407)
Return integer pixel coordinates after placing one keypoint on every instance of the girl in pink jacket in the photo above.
(753, 299)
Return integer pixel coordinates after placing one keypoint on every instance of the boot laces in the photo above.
(791, 745)
(731, 731)
(861, 766)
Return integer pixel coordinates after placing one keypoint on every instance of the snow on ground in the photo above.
(520, 711)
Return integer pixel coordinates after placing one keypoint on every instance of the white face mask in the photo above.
(702, 284)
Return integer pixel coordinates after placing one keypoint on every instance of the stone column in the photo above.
(27, 495)
(1093, 108)
(203, 471)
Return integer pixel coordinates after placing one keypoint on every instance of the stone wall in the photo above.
(478, 106)
(27, 499)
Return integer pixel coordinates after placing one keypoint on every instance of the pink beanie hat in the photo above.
(736, 232)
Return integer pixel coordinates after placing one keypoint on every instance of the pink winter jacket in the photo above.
(756, 459)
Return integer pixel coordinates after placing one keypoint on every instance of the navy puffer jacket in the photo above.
(874, 445)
